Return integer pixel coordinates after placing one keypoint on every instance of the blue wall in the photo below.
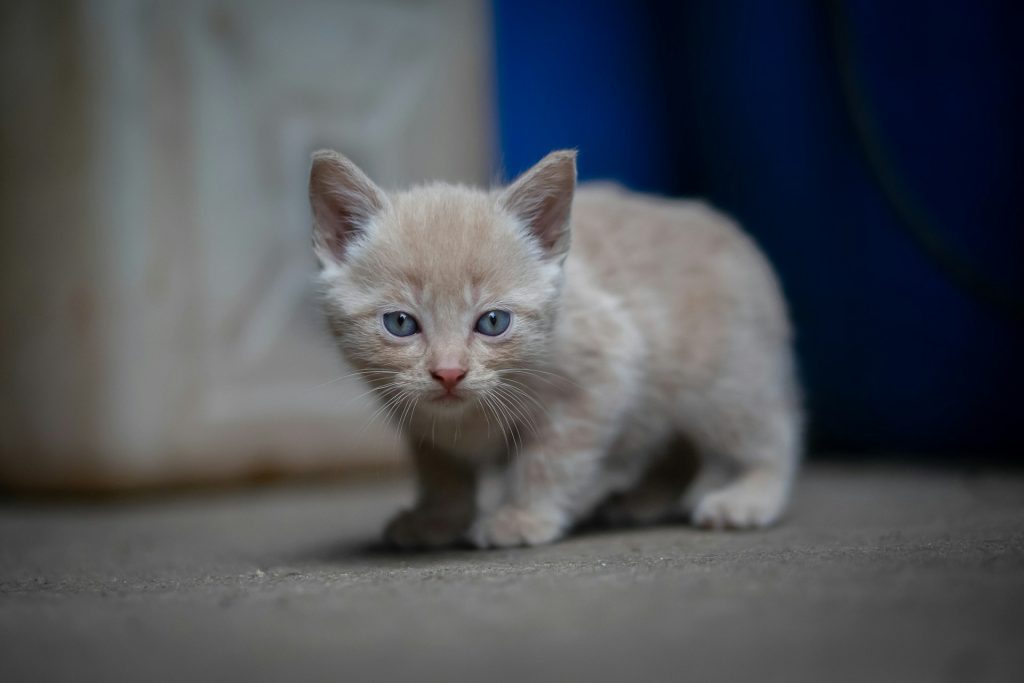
(874, 149)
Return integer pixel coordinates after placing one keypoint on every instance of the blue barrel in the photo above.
(874, 149)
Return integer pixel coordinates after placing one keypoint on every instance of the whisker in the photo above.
(516, 407)
(399, 405)
(521, 409)
(501, 425)
(415, 402)
(541, 375)
(410, 407)
(357, 373)
(486, 416)
(514, 433)
(372, 390)
(523, 390)
(395, 396)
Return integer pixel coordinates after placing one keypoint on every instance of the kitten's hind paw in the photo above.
(515, 526)
(420, 529)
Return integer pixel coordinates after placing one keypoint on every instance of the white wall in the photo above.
(154, 259)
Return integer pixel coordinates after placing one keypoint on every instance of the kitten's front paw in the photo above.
(515, 526)
(422, 528)
(739, 507)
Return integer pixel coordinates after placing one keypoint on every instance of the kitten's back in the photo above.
(685, 272)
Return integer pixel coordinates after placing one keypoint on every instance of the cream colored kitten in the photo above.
(579, 371)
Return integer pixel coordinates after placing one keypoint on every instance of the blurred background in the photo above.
(158, 325)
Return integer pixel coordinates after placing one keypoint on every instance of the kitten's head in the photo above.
(442, 292)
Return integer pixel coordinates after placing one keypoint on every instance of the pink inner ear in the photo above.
(542, 197)
(337, 222)
(550, 220)
(343, 199)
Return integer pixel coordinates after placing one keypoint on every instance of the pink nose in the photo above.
(448, 377)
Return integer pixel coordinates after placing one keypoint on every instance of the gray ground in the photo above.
(881, 573)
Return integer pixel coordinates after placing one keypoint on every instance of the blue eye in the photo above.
(400, 324)
(493, 323)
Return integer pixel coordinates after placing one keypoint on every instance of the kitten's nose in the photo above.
(448, 377)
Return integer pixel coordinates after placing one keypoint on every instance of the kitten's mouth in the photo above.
(448, 399)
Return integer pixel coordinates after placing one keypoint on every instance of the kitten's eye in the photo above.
(400, 324)
(493, 323)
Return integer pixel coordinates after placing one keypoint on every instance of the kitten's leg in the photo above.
(445, 505)
(547, 488)
(765, 449)
(556, 479)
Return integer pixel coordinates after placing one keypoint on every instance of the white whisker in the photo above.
(516, 407)
(523, 390)
(357, 373)
(514, 433)
(541, 375)
(497, 417)
(395, 395)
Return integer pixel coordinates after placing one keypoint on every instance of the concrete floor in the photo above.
(880, 573)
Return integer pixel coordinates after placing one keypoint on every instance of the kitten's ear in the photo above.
(343, 200)
(542, 199)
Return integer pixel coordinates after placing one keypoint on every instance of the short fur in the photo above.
(662, 326)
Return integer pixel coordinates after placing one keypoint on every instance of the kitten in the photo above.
(577, 370)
